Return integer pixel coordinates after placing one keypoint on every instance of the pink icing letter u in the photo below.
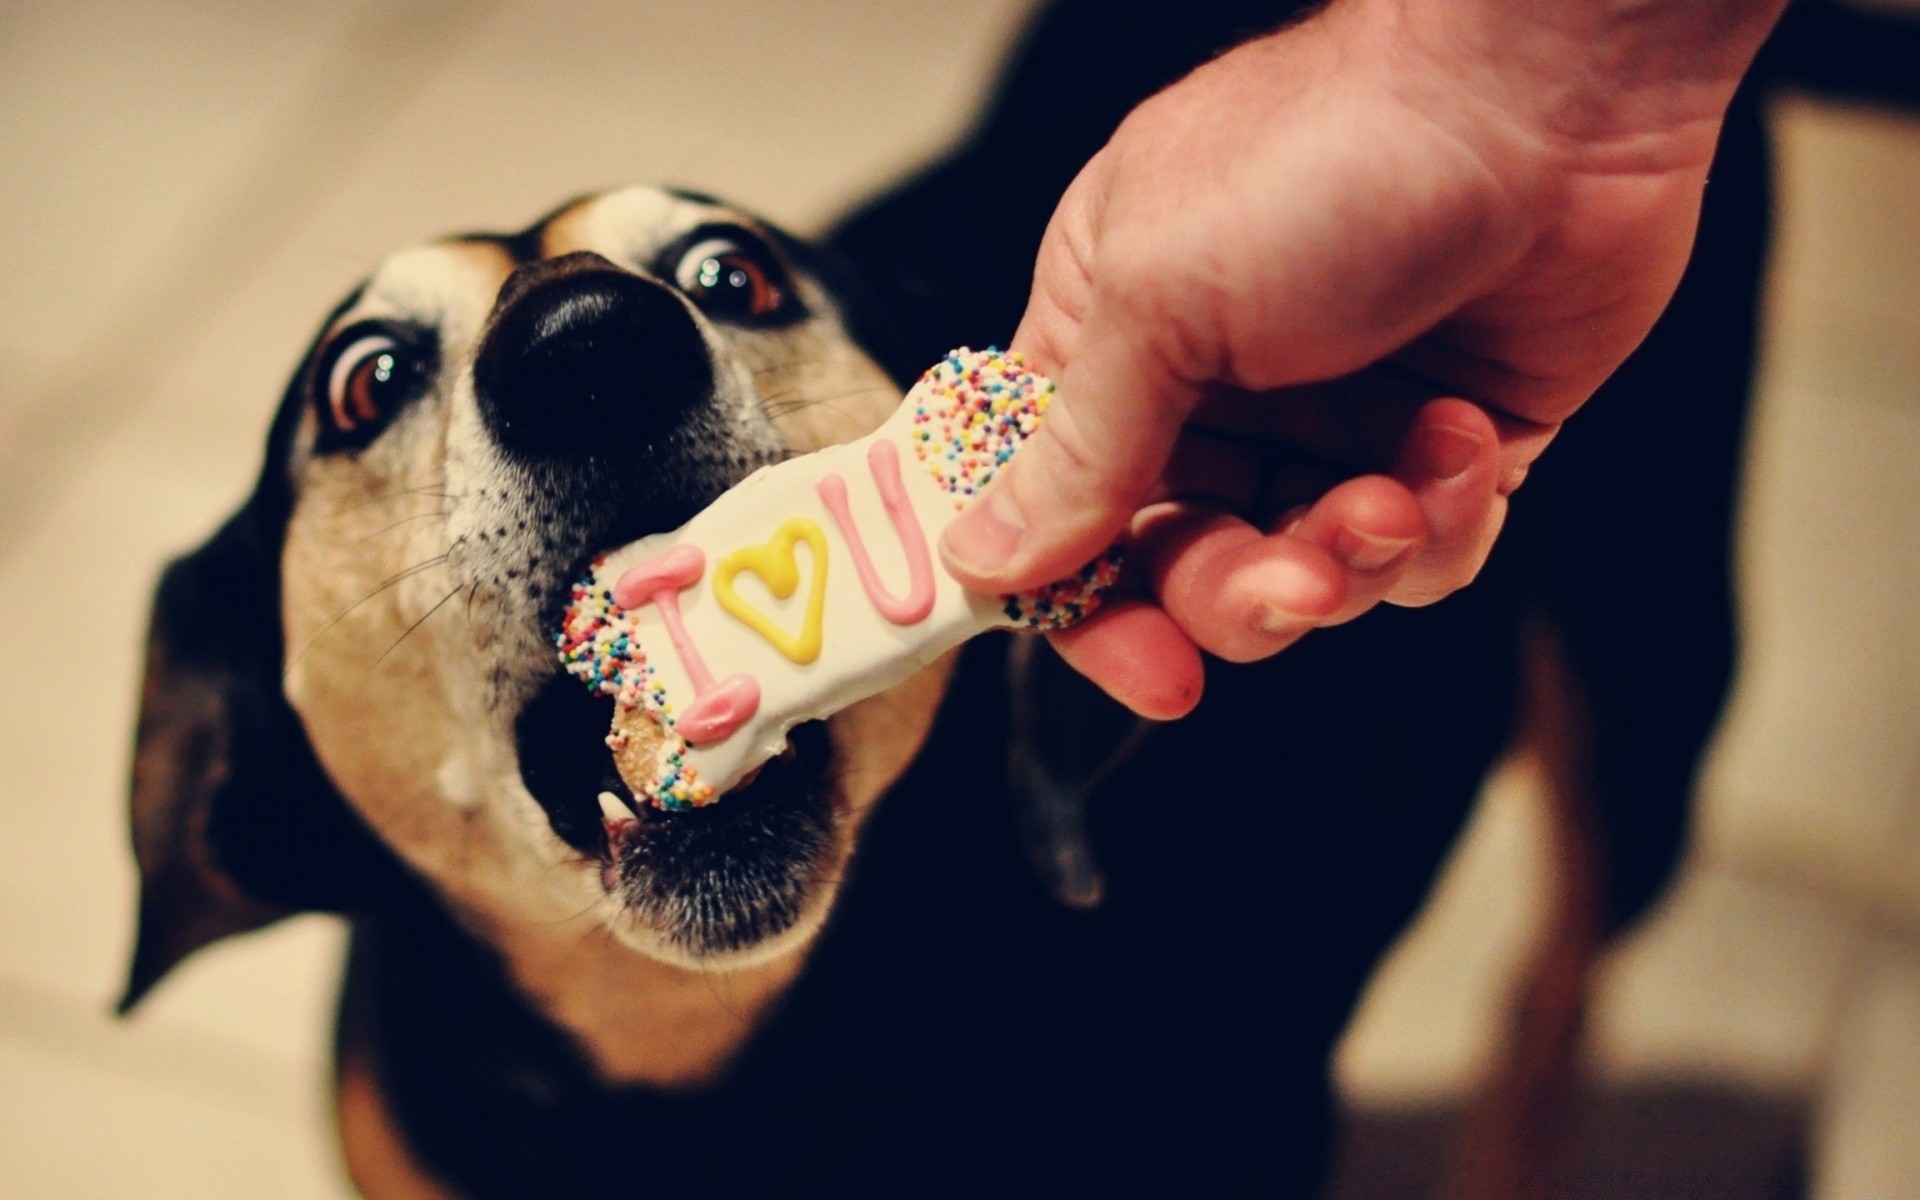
(883, 460)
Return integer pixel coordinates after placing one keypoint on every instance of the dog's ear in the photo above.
(192, 752)
(235, 825)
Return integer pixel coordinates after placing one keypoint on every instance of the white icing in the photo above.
(862, 653)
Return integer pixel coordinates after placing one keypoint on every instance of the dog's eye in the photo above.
(364, 370)
(370, 374)
(727, 279)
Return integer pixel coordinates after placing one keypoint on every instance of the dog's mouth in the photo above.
(705, 882)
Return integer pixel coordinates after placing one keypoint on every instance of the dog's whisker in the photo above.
(428, 489)
(808, 397)
(438, 605)
(786, 404)
(591, 905)
(725, 998)
(340, 616)
(403, 521)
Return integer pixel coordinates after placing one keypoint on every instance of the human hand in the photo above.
(1315, 309)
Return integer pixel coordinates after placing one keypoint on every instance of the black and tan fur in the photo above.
(342, 682)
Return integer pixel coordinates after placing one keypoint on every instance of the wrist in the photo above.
(1639, 85)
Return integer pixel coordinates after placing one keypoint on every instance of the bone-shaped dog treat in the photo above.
(810, 585)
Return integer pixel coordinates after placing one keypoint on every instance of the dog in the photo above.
(352, 697)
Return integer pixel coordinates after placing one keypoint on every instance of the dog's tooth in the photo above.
(612, 809)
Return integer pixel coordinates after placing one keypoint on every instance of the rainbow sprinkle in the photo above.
(597, 647)
(1060, 604)
(973, 410)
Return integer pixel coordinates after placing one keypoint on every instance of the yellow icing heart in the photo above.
(774, 562)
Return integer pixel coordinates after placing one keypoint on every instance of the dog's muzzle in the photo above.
(599, 382)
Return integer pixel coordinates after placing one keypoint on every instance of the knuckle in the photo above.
(1435, 583)
(1080, 465)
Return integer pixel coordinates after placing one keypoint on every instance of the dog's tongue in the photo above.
(809, 586)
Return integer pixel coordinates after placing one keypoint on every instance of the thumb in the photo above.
(1076, 483)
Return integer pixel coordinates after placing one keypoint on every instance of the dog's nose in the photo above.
(581, 352)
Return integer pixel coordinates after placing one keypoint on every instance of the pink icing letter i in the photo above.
(720, 707)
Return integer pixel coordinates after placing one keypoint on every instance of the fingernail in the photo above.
(1290, 519)
(985, 536)
(1446, 452)
(1365, 552)
(1279, 622)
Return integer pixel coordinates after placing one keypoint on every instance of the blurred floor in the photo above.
(189, 184)
(1785, 963)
